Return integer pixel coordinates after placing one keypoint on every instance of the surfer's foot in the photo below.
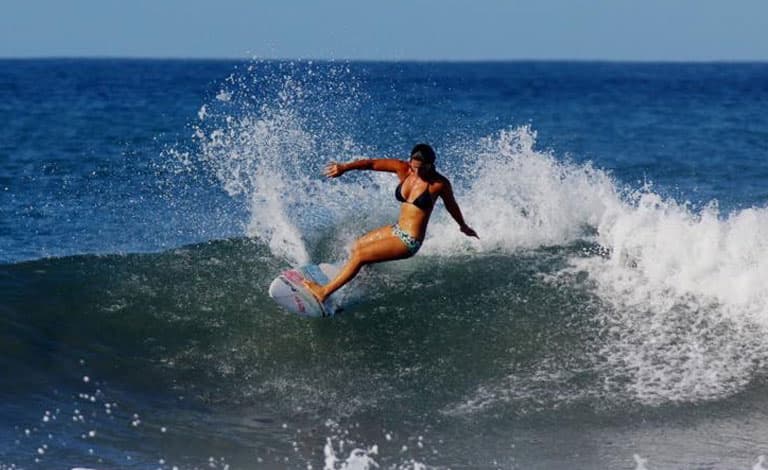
(316, 289)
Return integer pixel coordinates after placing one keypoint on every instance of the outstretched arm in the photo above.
(335, 169)
(453, 208)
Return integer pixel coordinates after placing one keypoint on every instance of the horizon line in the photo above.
(383, 60)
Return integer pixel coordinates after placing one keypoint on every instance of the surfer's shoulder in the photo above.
(440, 182)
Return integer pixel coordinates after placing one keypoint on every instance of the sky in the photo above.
(615, 30)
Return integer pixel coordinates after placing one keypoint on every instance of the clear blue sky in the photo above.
(388, 29)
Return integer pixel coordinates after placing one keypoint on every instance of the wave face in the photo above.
(612, 296)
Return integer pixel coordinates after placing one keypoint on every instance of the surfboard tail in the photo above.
(288, 290)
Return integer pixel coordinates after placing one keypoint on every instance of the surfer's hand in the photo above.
(468, 231)
(334, 170)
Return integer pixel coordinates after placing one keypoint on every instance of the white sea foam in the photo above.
(685, 308)
(271, 155)
(653, 251)
(246, 157)
(685, 305)
(517, 196)
(664, 248)
(640, 462)
(361, 457)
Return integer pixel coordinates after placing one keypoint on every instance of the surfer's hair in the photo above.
(423, 153)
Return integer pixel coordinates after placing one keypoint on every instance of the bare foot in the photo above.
(316, 289)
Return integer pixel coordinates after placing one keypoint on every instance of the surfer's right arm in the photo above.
(336, 169)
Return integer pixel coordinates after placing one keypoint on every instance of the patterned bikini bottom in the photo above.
(412, 243)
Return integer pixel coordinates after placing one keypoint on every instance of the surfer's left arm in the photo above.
(336, 169)
(453, 208)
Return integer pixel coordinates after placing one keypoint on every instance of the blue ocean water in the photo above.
(613, 313)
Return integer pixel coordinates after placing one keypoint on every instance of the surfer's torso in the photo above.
(418, 196)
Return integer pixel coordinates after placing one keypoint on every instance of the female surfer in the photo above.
(420, 186)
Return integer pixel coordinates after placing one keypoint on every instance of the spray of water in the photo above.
(683, 307)
(519, 197)
(684, 304)
(685, 310)
(266, 138)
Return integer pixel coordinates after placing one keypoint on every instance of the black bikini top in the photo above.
(423, 202)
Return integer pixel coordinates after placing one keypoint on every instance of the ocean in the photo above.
(612, 315)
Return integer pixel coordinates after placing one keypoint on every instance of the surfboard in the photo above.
(289, 292)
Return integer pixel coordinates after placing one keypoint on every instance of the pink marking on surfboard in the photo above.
(299, 304)
(293, 276)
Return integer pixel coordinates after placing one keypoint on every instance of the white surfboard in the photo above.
(289, 292)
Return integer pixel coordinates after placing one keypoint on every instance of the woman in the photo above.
(420, 186)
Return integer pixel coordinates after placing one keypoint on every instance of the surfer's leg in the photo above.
(373, 236)
(373, 251)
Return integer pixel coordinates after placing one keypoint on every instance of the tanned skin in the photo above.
(381, 244)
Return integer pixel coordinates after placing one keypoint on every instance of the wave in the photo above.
(686, 313)
(583, 290)
(525, 333)
(675, 302)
